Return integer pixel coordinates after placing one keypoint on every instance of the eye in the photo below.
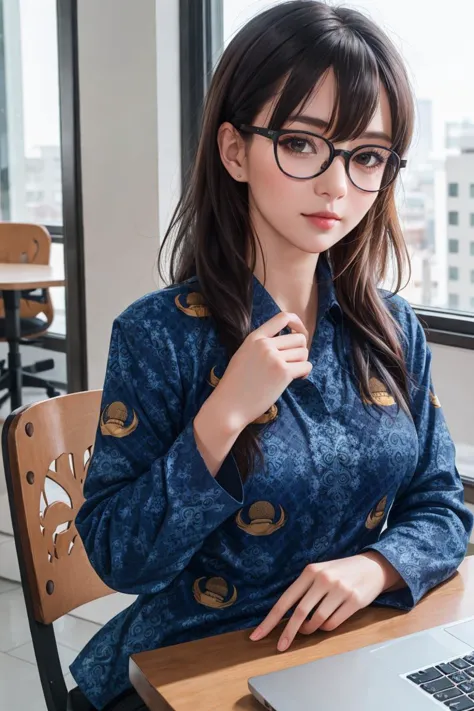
(298, 144)
(371, 159)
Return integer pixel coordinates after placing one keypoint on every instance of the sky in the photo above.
(437, 45)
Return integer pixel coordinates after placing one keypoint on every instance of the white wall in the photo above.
(126, 49)
(130, 143)
(453, 370)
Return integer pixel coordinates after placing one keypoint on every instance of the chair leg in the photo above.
(39, 367)
(32, 381)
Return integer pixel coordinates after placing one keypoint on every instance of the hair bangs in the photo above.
(357, 80)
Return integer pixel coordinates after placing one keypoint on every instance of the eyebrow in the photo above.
(319, 123)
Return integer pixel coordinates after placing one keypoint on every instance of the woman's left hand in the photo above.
(336, 588)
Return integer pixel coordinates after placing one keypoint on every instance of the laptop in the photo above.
(420, 672)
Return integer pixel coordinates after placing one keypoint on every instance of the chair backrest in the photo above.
(22, 243)
(47, 448)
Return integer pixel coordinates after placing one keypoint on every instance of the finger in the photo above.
(300, 370)
(346, 610)
(327, 607)
(295, 355)
(292, 340)
(291, 596)
(279, 322)
(312, 598)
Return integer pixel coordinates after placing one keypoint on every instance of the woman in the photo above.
(270, 444)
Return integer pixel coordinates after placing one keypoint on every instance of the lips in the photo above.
(323, 220)
(325, 215)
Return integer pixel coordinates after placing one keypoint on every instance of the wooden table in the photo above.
(211, 674)
(15, 278)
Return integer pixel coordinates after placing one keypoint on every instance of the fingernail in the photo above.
(256, 635)
(283, 644)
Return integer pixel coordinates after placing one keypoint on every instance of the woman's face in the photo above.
(280, 206)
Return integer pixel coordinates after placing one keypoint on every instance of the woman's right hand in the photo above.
(261, 369)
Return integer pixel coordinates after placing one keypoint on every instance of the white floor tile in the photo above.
(20, 688)
(14, 628)
(72, 632)
(27, 653)
(8, 585)
(70, 682)
(5, 516)
(8, 561)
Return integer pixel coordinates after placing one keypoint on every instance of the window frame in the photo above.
(201, 36)
(72, 229)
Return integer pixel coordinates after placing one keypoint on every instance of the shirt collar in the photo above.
(265, 307)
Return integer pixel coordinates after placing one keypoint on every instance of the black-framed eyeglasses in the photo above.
(304, 155)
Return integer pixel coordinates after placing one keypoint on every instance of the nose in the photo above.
(333, 183)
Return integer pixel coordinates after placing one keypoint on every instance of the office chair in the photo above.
(30, 244)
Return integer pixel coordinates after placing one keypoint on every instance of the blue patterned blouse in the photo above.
(208, 555)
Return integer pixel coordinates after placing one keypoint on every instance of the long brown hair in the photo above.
(289, 48)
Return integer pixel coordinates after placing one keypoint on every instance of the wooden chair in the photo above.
(31, 244)
(47, 447)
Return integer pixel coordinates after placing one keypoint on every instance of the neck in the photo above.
(289, 278)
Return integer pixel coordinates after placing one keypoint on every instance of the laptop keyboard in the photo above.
(451, 683)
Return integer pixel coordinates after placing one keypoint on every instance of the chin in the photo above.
(320, 241)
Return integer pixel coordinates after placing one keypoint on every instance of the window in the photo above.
(472, 303)
(453, 273)
(453, 217)
(30, 153)
(453, 189)
(31, 140)
(453, 301)
(453, 246)
(472, 249)
(472, 276)
(471, 219)
(471, 190)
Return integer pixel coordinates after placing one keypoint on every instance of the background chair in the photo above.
(47, 447)
(31, 244)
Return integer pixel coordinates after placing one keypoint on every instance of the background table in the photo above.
(15, 278)
(211, 674)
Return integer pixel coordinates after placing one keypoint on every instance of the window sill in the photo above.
(448, 329)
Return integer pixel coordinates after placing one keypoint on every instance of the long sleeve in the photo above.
(150, 499)
(428, 526)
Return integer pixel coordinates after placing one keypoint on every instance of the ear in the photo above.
(233, 151)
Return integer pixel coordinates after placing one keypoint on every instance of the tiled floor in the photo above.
(20, 688)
